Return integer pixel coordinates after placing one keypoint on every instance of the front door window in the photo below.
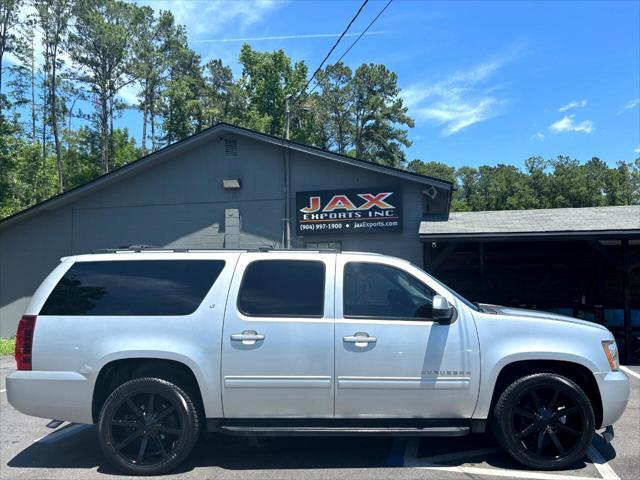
(379, 291)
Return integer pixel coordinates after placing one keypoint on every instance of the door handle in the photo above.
(360, 339)
(248, 337)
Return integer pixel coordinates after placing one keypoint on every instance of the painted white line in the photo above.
(411, 460)
(2, 391)
(494, 472)
(604, 469)
(628, 371)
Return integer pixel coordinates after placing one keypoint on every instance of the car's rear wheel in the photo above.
(544, 421)
(148, 426)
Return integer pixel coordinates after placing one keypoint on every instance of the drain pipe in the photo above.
(286, 227)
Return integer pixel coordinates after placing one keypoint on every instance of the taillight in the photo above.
(24, 341)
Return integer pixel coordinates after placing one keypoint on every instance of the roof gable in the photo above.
(200, 137)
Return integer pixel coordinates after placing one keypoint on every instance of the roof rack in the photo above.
(265, 249)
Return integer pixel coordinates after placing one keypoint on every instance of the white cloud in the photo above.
(460, 100)
(566, 124)
(537, 136)
(631, 104)
(129, 93)
(637, 149)
(573, 104)
(289, 37)
(215, 16)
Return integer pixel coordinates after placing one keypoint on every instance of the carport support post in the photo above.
(481, 261)
(626, 269)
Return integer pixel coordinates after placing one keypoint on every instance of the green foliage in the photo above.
(60, 103)
(555, 183)
(433, 169)
(268, 78)
(7, 346)
(362, 114)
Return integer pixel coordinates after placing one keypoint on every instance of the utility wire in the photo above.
(331, 51)
(350, 46)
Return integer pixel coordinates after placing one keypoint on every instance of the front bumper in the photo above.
(60, 395)
(614, 392)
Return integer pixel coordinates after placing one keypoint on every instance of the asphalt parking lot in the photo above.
(30, 450)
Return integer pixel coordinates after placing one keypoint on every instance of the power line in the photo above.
(331, 51)
(351, 46)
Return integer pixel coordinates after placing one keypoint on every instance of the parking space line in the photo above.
(628, 371)
(604, 469)
(411, 460)
(494, 472)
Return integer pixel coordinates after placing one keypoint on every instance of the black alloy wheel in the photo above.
(544, 421)
(148, 426)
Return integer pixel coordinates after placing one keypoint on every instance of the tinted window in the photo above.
(139, 287)
(380, 291)
(287, 288)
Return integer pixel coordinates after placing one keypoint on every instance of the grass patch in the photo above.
(7, 346)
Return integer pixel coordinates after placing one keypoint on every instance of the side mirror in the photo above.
(442, 310)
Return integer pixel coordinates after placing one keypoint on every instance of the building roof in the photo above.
(211, 132)
(552, 222)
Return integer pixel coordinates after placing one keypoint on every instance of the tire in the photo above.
(138, 443)
(544, 421)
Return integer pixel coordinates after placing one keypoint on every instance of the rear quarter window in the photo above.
(133, 287)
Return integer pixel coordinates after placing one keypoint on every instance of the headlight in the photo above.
(611, 351)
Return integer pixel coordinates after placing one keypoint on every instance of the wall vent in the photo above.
(230, 147)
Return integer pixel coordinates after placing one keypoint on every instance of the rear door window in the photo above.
(283, 288)
(136, 287)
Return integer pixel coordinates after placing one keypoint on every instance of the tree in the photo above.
(335, 107)
(269, 77)
(379, 116)
(52, 16)
(24, 74)
(8, 18)
(102, 47)
(150, 63)
(433, 169)
(536, 169)
(181, 108)
(568, 184)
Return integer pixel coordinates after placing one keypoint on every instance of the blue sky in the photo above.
(486, 82)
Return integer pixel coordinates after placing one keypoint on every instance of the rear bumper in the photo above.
(614, 391)
(59, 395)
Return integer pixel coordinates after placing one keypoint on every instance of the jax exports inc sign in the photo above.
(349, 211)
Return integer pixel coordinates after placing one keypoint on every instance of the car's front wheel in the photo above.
(544, 421)
(148, 426)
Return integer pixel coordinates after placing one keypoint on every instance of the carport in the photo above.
(583, 262)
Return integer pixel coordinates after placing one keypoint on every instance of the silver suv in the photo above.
(156, 346)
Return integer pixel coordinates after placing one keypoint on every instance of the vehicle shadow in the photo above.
(76, 447)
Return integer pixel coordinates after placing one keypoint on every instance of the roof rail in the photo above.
(265, 249)
(268, 248)
(139, 248)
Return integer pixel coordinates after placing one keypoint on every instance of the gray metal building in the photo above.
(226, 187)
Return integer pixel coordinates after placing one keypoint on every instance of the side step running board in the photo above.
(347, 431)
